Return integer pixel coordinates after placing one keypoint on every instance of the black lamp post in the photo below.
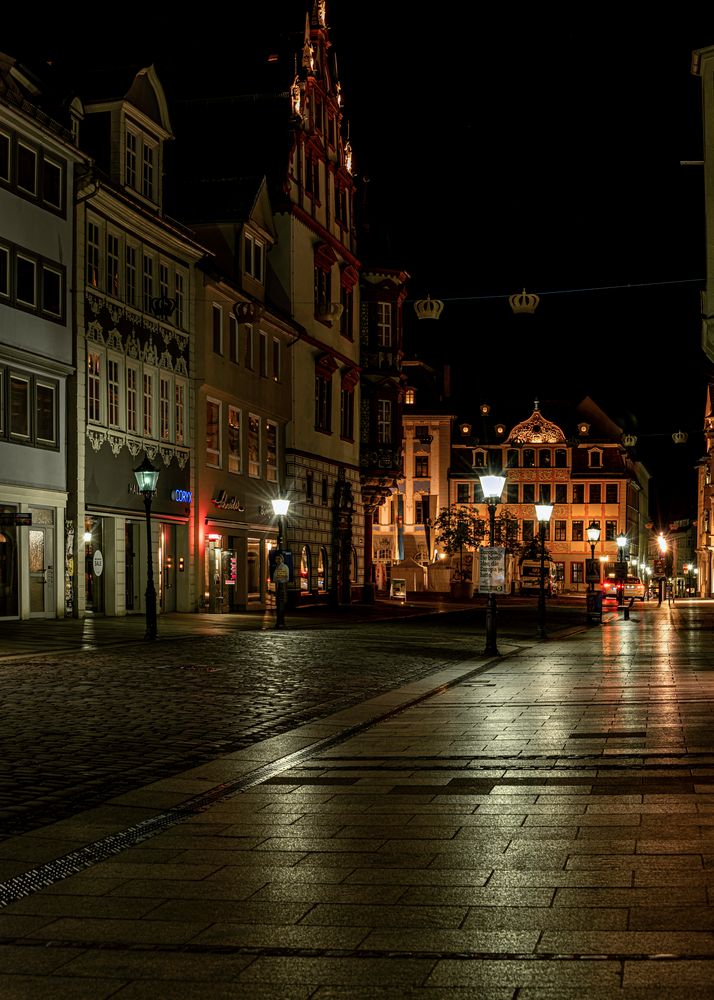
(621, 551)
(492, 487)
(280, 573)
(543, 513)
(593, 532)
(147, 477)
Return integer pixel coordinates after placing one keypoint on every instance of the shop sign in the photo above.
(225, 502)
(182, 496)
(98, 563)
(8, 520)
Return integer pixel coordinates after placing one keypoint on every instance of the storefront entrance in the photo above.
(41, 571)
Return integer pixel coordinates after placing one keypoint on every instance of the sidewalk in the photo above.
(533, 827)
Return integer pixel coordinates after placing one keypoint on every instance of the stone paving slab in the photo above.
(361, 869)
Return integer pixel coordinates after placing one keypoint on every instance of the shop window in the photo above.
(577, 572)
(305, 569)
(322, 569)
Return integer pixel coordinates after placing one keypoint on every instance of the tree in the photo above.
(457, 528)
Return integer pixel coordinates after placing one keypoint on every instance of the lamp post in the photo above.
(492, 488)
(621, 548)
(146, 478)
(543, 513)
(281, 573)
(593, 533)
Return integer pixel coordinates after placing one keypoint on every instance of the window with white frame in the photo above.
(4, 272)
(148, 155)
(232, 338)
(25, 280)
(148, 282)
(132, 398)
(276, 359)
(213, 433)
(179, 411)
(263, 354)
(130, 159)
(254, 257)
(112, 265)
(130, 275)
(94, 385)
(113, 392)
(51, 292)
(93, 252)
(253, 445)
(235, 456)
(180, 296)
(164, 280)
(148, 382)
(271, 451)
(26, 168)
(384, 421)
(46, 392)
(384, 324)
(19, 417)
(52, 183)
(164, 407)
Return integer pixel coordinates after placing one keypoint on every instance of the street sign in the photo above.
(492, 570)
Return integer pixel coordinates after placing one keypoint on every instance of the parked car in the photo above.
(621, 590)
(634, 587)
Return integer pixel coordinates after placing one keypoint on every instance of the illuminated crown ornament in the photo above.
(629, 440)
(428, 308)
(680, 437)
(524, 302)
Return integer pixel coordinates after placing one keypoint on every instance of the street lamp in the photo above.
(621, 546)
(492, 488)
(281, 573)
(146, 478)
(593, 533)
(543, 513)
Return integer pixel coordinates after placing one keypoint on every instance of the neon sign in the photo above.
(182, 496)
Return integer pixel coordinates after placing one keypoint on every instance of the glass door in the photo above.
(42, 574)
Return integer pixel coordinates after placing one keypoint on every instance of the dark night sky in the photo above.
(501, 149)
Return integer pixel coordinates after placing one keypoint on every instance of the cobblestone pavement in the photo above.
(107, 712)
(539, 826)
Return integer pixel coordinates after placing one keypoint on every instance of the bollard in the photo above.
(627, 609)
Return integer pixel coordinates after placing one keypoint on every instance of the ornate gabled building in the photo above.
(39, 161)
(570, 454)
(134, 354)
(286, 110)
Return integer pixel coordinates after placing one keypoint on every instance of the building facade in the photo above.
(134, 355)
(578, 464)
(39, 161)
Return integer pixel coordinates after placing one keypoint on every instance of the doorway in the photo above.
(167, 568)
(41, 570)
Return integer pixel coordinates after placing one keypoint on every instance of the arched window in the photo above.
(353, 566)
(305, 568)
(322, 568)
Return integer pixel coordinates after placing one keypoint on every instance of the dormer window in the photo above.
(409, 397)
(595, 458)
(141, 164)
(254, 257)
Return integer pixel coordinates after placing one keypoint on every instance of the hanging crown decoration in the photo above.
(428, 308)
(524, 302)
